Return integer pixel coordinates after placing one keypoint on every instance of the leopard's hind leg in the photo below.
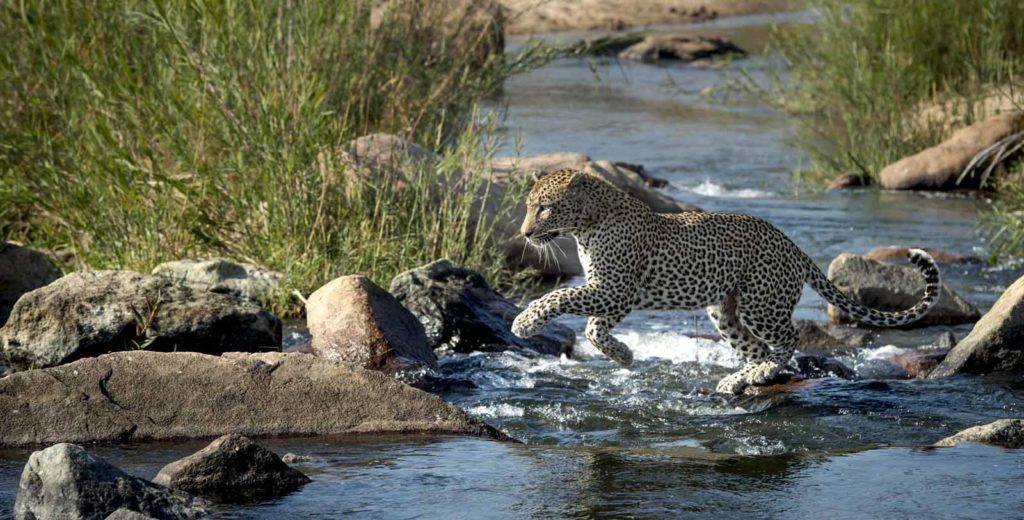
(769, 318)
(725, 318)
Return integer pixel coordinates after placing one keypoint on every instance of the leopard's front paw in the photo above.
(526, 326)
(763, 373)
(733, 383)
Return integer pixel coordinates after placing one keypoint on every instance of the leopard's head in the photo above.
(559, 203)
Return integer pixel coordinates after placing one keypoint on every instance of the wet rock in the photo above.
(889, 287)
(65, 481)
(919, 363)
(1007, 433)
(89, 313)
(995, 344)
(896, 253)
(460, 311)
(292, 458)
(232, 467)
(223, 276)
(629, 178)
(849, 181)
(354, 321)
(816, 366)
(22, 269)
(141, 395)
(828, 337)
(690, 49)
(940, 167)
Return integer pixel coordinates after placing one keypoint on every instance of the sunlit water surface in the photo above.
(650, 442)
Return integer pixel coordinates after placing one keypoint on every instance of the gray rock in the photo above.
(292, 458)
(995, 344)
(223, 276)
(890, 287)
(830, 338)
(21, 270)
(65, 481)
(232, 467)
(143, 395)
(354, 321)
(90, 313)
(460, 311)
(128, 514)
(679, 47)
(1008, 433)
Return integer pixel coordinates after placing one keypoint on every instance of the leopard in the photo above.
(747, 274)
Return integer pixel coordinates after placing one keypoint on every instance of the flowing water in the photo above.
(649, 441)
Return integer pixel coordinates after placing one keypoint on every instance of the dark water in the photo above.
(648, 442)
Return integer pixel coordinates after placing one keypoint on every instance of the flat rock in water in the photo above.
(354, 321)
(1007, 433)
(142, 395)
(460, 311)
(995, 344)
(90, 313)
(22, 269)
(67, 482)
(889, 287)
(232, 467)
(679, 47)
(940, 167)
(222, 276)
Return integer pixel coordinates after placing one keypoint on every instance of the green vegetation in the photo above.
(134, 132)
(860, 74)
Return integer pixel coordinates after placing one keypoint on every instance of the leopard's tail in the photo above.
(923, 261)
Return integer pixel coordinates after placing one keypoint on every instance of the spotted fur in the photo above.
(747, 273)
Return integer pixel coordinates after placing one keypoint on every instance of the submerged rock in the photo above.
(22, 269)
(460, 311)
(995, 344)
(1008, 433)
(828, 337)
(90, 313)
(141, 395)
(679, 47)
(354, 321)
(222, 276)
(67, 482)
(889, 287)
(940, 167)
(850, 181)
(232, 467)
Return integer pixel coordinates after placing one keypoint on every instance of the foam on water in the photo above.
(669, 345)
(712, 189)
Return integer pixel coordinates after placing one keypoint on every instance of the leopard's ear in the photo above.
(577, 179)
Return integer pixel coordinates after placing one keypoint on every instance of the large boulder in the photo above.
(461, 312)
(890, 287)
(90, 313)
(232, 467)
(1007, 433)
(354, 321)
(995, 344)
(940, 167)
(143, 395)
(67, 482)
(21, 270)
(628, 178)
(223, 276)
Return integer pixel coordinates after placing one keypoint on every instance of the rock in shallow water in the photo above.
(995, 344)
(460, 311)
(218, 275)
(889, 287)
(1008, 433)
(22, 269)
(65, 481)
(830, 338)
(354, 321)
(232, 467)
(90, 313)
(128, 396)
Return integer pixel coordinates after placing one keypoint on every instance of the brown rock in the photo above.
(22, 269)
(140, 395)
(889, 287)
(354, 321)
(891, 253)
(919, 363)
(849, 180)
(940, 167)
(1008, 433)
(232, 467)
(828, 337)
(995, 344)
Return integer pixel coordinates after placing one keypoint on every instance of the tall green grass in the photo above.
(858, 75)
(138, 131)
